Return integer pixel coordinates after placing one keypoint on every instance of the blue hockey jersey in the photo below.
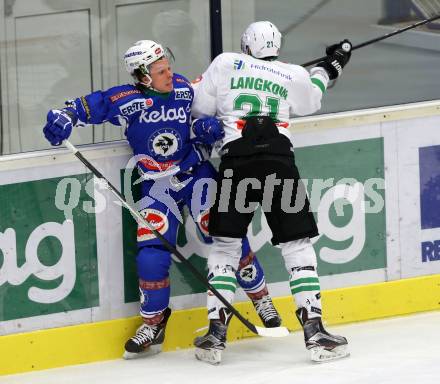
(156, 125)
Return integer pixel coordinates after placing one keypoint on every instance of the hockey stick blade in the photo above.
(269, 332)
(272, 332)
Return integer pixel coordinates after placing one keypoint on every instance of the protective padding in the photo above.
(298, 253)
(226, 251)
(154, 287)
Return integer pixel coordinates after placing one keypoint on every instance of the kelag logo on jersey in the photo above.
(429, 163)
(183, 94)
(135, 105)
(165, 142)
(171, 114)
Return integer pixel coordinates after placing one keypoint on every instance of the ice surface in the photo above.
(397, 350)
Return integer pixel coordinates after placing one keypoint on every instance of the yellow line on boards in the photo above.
(105, 340)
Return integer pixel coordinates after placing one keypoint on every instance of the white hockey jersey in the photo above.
(237, 85)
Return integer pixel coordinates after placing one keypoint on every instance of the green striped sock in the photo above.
(305, 284)
(224, 282)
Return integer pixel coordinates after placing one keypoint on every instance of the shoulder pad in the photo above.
(183, 89)
(181, 80)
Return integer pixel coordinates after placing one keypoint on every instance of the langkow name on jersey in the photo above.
(135, 105)
(183, 94)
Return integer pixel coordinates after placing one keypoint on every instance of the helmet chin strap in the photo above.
(148, 83)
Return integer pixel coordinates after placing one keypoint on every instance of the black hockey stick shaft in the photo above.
(164, 241)
(375, 40)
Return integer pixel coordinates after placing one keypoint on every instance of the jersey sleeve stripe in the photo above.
(319, 84)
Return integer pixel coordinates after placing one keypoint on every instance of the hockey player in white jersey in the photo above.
(255, 96)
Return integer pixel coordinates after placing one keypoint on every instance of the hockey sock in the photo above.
(304, 285)
(222, 264)
(222, 278)
(250, 275)
(154, 298)
(300, 259)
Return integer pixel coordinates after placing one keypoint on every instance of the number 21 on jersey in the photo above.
(255, 105)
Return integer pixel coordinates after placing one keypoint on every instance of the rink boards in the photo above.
(67, 277)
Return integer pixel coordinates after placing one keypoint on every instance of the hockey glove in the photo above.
(208, 130)
(338, 55)
(197, 154)
(59, 126)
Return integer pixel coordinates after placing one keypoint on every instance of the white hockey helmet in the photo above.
(141, 55)
(261, 39)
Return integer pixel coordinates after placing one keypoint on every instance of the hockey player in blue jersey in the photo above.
(156, 115)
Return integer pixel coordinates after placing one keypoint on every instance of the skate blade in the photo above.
(211, 356)
(150, 351)
(321, 355)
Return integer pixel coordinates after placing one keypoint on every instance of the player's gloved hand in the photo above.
(208, 130)
(197, 154)
(59, 126)
(338, 55)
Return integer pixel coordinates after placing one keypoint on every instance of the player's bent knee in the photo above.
(226, 251)
(298, 253)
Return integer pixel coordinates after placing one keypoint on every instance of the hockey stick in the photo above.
(261, 331)
(375, 40)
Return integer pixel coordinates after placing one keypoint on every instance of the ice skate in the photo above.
(267, 312)
(210, 346)
(322, 345)
(148, 339)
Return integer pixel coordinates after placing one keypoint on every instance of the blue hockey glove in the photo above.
(197, 154)
(59, 126)
(208, 130)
